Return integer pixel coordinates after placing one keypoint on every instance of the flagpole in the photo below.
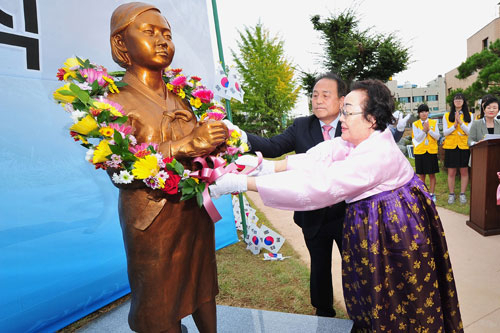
(228, 105)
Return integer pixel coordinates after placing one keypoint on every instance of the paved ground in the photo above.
(475, 260)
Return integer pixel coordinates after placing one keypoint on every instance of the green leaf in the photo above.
(178, 168)
(121, 120)
(117, 73)
(117, 137)
(188, 190)
(199, 199)
(95, 86)
(81, 94)
(66, 93)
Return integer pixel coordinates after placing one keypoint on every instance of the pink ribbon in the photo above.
(498, 190)
(210, 175)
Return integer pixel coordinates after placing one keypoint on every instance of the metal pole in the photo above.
(228, 106)
(221, 53)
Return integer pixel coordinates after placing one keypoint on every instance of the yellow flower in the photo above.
(68, 74)
(181, 93)
(146, 167)
(245, 147)
(82, 139)
(71, 62)
(107, 131)
(101, 152)
(68, 64)
(170, 86)
(84, 126)
(106, 106)
(196, 102)
(64, 98)
(112, 86)
(235, 135)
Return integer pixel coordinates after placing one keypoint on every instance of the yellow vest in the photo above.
(429, 144)
(457, 138)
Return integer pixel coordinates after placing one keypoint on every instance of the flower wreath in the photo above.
(100, 126)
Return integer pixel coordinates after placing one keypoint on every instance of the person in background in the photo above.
(456, 127)
(425, 133)
(398, 128)
(487, 124)
(396, 269)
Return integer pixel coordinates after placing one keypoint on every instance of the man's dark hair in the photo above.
(341, 86)
(379, 104)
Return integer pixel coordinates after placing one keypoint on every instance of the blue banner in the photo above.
(61, 249)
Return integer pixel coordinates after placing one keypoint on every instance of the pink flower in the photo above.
(217, 107)
(230, 150)
(205, 95)
(91, 75)
(216, 115)
(122, 128)
(142, 149)
(179, 81)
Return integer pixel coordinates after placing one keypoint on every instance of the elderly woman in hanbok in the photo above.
(396, 269)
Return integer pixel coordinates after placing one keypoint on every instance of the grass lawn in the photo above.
(442, 190)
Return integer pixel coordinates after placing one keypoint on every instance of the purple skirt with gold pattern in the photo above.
(396, 269)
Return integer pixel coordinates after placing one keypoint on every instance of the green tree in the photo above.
(356, 54)
(487, 64)
(267, 79)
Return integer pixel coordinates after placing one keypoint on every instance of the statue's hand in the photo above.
(204, 138)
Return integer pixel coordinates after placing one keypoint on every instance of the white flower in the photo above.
(123, 178)
(162, 174)
(77, 115)
(68, 107)
(89, 155)
(132, 139)
(116, 178)
(84, 86)
(159, 157)
(185, 174)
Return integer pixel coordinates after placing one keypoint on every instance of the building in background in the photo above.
(411, 96)
(475, 44)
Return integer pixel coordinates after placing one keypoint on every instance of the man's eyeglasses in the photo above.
(347, 113)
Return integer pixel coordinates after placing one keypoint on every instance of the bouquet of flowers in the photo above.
(99, 124)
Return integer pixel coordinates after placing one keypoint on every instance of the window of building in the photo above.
(418, 99)
(485, 43)
(432, 98)
(404, 99)
(436, 108)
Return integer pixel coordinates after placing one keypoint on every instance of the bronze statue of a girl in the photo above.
(169, 243)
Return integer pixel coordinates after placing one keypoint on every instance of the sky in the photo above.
(435, 31)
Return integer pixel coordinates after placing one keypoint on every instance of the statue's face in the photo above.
(149, 41)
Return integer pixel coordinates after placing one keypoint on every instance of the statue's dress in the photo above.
(169, 243)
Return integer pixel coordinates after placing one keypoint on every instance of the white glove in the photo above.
(228, 183)
(265, 168)
(233, 127)
(402, 121)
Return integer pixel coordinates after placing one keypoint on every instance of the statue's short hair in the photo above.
(121, 18)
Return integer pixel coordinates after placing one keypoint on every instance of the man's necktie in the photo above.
(326, 132)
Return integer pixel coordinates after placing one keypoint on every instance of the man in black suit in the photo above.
(320, 227)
